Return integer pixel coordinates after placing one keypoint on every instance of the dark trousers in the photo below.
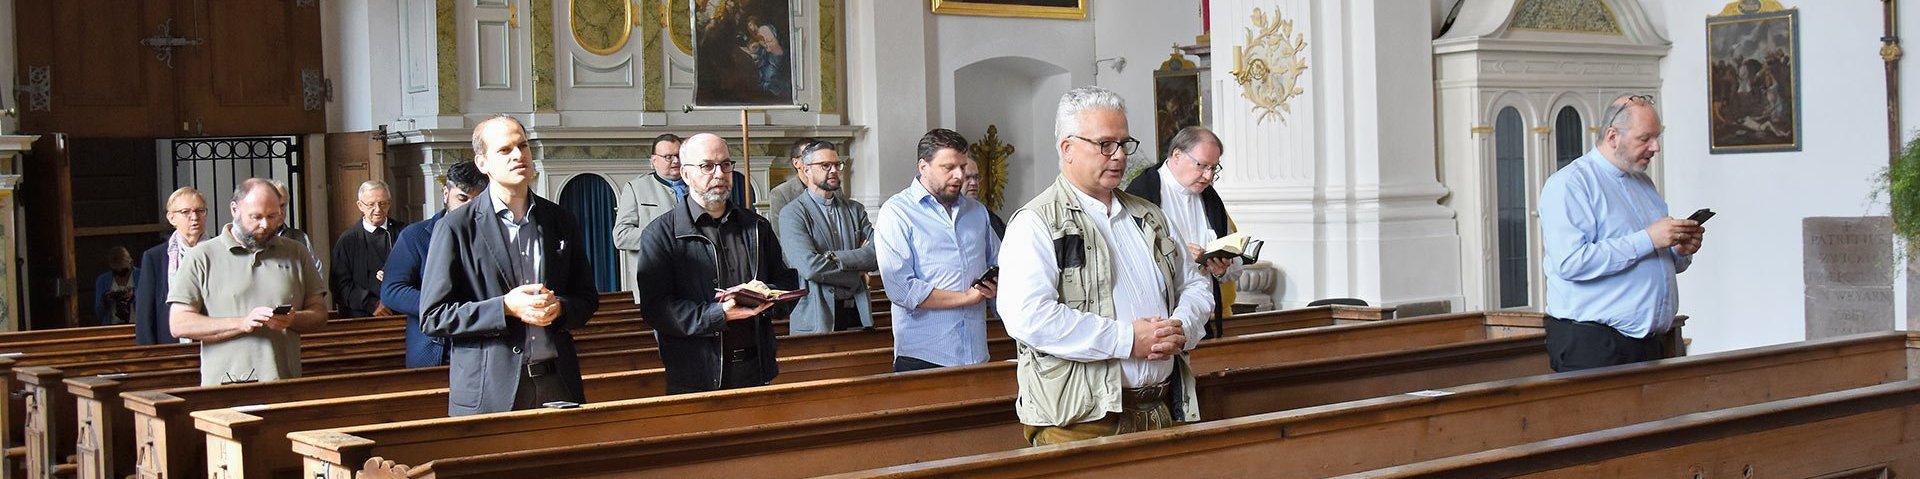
(539, 385)
(739, 368)
(903, 364)
(1577, 345)
(846, 316)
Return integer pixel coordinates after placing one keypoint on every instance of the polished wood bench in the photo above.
(225, 425)
(1839, 407)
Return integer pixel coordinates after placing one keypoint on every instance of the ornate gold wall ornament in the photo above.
(544, 96)
(653, 54)
(1745, 7)
(1268, 67)
(992, 155)
(601, 26)
(1577, 16)
(679, 19)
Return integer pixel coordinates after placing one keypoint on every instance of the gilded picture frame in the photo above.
(743, 54)
(1753, 79)
(601, 27)
(1059, 9)
(1178, 100)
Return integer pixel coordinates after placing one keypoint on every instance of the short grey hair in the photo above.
(1193, 136)
(370, 185)
(1066, 119)
(1621, 113)
(249, 185)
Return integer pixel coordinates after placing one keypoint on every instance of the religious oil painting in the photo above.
(1754, 81)
(1063, 9)
(743, 53)
(1176, 101)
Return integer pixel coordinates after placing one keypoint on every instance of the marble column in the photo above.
(1340, 178)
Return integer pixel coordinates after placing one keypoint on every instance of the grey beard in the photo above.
(708, 198)
(246, 240)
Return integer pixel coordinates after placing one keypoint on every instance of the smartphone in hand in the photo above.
(992, 274)
(283, 309)
(1701, 216)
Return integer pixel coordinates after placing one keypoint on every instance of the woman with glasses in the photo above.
(187, 212)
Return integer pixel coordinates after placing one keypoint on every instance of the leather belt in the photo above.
(541, 368)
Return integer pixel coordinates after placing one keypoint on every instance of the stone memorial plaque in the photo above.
(1849, 265)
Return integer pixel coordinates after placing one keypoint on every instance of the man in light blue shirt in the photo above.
(1611, 249)
(934, 244)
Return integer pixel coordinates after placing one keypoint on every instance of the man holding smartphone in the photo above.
(237, 294)
(935, 246)
(1612, 251)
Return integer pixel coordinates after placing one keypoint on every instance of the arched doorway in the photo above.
(591, 200)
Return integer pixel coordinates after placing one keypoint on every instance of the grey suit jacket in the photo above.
(806, 240)
(782, 196)
(640, 201)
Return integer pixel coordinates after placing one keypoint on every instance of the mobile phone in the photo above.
(1702, 215)
(992, 274)
(560, 405)
(282, 309)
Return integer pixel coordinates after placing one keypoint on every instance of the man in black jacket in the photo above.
(708, 242)
(360, 255)
(506, 277)
(1182, 185)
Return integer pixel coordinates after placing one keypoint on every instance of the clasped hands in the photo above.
(534, 304)
(1683, 235)
(1157, 338)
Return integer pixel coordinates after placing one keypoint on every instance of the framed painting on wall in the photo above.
(1176, 100)
(1753, 78)
(1067, 9)
(742, 53)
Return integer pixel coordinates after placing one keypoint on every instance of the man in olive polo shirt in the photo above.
(228, 287)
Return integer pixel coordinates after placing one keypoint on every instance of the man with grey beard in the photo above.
(707, 242)
(247, 294)
(1611, 249)
(829, 241)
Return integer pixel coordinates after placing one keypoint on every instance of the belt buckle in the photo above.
(538, 369)
(738, 355)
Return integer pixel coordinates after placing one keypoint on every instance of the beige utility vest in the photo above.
(1056, 391)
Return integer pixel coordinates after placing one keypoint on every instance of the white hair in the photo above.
(1066, 119)
(370, 185)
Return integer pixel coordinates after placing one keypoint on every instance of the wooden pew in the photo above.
(170, 447)
(1818, 408)
(233, 431)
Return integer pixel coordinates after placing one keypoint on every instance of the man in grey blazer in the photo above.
(780, 196)
(506, 280)
(645, 198)
(829, 241)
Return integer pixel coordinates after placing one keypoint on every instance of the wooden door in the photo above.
(86, 71)
(46, 195)
(352, 158)
(259, 72)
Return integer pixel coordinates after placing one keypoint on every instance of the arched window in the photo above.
(1510, 178)
(591, 200)
(1569, 137)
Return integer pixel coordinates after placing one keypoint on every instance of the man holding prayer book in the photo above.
(711, 341)
(1182, 185)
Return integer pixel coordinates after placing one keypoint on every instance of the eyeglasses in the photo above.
(190, 212)
(724, 166)
(829, 165)
(376, 204)
(1107, 148)
(1215, 169)
(675, 159)
(1643, 100)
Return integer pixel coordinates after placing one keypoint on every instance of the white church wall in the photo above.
(359, 58)
(1746, 287)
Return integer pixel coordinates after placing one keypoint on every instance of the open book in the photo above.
(755, 293)
(1236, 245)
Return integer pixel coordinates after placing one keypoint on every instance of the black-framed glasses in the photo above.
(1215, 169)
(1107, 148)
(1631, 100)
(675, 158)
(829, 165)
(190, 212)
(709, 168)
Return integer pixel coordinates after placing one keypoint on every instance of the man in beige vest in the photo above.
(1102, 300)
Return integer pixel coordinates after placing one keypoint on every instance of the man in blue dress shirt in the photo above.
(934, 244)
(401, 289)
(1612, 249)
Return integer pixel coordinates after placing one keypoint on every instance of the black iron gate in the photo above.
(215, 166)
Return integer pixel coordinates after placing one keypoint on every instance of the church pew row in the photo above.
(1806, 409)
(65, 333)
(49, 424)
(1341, 362)
(168, 445)
(238, 431)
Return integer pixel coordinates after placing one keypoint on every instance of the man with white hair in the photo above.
(360, 255)
(1103, 303)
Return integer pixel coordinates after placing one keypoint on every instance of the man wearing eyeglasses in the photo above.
(360, 255)
(1182, 185)
(829, 242)
(710, 342)
(780, 196)
(1102, 300)
(506, 281)
(645, 198)
(187, 212)
(1611, 249)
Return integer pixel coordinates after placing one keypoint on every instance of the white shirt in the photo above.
(364, 223)
(1031, 310)
(1187, 217)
